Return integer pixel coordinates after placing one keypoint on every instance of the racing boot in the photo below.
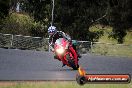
(63, 65)
(56, 57)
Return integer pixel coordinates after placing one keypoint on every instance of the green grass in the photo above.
(113, 48)
(62, 84)
(128, 38)
(107, 30)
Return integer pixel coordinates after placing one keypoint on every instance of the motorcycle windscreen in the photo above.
(61, 42)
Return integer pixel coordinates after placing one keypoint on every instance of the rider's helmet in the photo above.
(52, 30)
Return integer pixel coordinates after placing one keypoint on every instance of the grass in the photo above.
(113, 48)
(107, 30)
(128, 38)
(60, 84)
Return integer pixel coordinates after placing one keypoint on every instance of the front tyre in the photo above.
(71, 62)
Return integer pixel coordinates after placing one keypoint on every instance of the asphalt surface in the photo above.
(37, 65)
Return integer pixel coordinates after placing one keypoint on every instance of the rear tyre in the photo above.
(71, 62)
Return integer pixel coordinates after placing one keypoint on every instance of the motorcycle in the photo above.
(66, 53)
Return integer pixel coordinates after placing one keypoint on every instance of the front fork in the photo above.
(74, 55)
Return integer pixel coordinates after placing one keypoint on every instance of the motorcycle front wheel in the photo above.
(71, 62)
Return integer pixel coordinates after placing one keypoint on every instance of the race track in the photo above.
(38, 65)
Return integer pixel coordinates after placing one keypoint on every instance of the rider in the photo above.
(54, 35)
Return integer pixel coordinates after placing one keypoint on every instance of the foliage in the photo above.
(96, 32)
(4, 8)
(39, 9)
(77, 16)
(121, 19)
(69, 16)
(21, 24)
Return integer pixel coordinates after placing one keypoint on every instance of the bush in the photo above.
(95, 32)
(22, 24)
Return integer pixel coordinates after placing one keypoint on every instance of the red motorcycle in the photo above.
(66, 53)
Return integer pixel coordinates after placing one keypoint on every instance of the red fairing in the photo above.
(74, 54)
(64, 42)
(63, 48)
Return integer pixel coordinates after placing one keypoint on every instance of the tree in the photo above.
(121, 19)
(76, 16)
(4, 8)
(69, 16)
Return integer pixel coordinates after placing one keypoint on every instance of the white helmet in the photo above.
(52, 29)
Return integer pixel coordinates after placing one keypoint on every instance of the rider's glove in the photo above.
(51, 47)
